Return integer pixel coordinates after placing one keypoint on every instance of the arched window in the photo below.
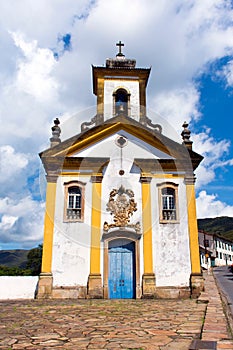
(168, 198)
(121, 102)
(74, 201)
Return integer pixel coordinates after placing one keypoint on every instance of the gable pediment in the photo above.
(136, 146)
(147, 144)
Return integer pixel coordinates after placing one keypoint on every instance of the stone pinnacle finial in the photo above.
(186, 136)
(56, 131)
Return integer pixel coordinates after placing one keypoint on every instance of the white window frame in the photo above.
(74, 214)
(167, 215)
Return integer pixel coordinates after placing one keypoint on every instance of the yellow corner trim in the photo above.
(48, 228)
(147, 228)
(95, 228)
(193, 229)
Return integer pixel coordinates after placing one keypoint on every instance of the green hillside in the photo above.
(14, 258)
(222, 226)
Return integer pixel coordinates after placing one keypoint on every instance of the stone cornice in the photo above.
(54, 166)
(97, 178)
(190, 179)
(51, 178)
(145, 179)
(103, 72)
(177, 165)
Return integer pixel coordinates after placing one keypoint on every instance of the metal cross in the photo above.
(120, 44)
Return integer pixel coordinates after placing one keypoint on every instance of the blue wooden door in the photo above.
(121, 270)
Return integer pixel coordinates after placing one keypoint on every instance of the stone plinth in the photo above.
(197, 284)
(148, 285)
(95, 288)
(45, 286)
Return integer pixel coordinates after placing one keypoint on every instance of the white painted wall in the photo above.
(71, 254)
(112, 179)
(132, 86)
(18, 287)
(72, 241)
(171, 250)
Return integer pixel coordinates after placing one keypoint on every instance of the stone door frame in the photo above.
(131, 236)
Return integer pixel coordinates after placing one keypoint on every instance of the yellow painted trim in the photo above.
(147, 228)
(75, 174)
(100, 96)
(49, 227)
(193, 229)
(157, 176)
(108, 131)
(95, 228)
(164, 176)
(123, 79)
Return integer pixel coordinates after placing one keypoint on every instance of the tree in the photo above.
(14, 271)
(34, 259)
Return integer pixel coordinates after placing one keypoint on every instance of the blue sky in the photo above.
(45, 72)
(217, 110)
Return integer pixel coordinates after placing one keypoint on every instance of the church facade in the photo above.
(120, 218)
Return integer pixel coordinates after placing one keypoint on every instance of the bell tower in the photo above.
(120, 87)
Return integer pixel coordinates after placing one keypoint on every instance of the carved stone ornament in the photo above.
(121, 205)
(96, 120)
(148, 123)
(56, 131)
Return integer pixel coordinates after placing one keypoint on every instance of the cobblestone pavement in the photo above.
(215, 327)
(100, 324)
(114, 324)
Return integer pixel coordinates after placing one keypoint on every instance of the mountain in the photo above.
(223, 226)
(14, 258)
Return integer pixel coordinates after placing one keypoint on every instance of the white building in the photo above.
(214, 250)
(120, 218)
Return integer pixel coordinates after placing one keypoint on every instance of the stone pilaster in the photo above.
(94, 287)
(192, 225)
(148, 278)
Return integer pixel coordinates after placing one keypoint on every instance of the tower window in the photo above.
(168, 199)
(121, 102)
(74, 201)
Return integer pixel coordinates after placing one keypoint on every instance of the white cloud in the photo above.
(214, 152)
(7, 222)
(17, 169)
(43, 19)
(21, 221)
(208, 206)
(11, 163)
(34, 70)
(227, 73)
(178, 105)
